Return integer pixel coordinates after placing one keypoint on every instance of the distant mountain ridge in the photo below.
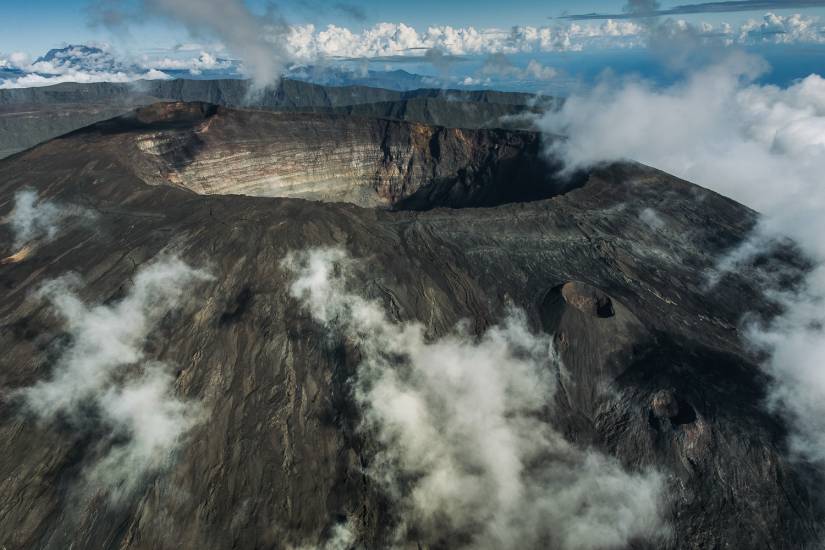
(32, 115)
(239, 93)
(75, 53)
(79, 57)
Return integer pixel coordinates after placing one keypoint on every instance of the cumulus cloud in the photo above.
(15, 60)
(462, 422)
(652, 8)
(677, 40)
(764, 147)
(40, 220)
(308, 43)
(103, 379)
(498, 65)
(205, 61)
(779, 29)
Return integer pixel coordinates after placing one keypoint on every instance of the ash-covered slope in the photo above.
(654, 372)
(32, 115)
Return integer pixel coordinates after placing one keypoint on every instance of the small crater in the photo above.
(588, 299)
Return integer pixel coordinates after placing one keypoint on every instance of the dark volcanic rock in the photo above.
(657, 373)
(237, 93)
(31, 115)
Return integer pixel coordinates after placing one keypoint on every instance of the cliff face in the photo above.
(238, 93)
(31, 115)
(365, 161)
(655, 371)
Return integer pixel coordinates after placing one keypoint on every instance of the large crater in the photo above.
(371, 162)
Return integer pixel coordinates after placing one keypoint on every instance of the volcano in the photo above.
(444, 227)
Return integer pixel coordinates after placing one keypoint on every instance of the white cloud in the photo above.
(652, 219)
(459, 418)
(789, 29)
(35, 80)
(15, 60)
(37, 221)
(75, 63)
(155, 421)
(470, 81)
(537, 71)
(761, 145)
(195, 65)
(343, 536)
(104, 369)
(306, 43)
(262, 46)
(499, 65)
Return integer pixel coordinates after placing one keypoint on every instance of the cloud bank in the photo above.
(466, 448)
(761, 145)
(73, 63)
(102, 379)
(261, 47)
(307, 43)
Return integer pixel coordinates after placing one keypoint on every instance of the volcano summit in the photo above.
(241, 328)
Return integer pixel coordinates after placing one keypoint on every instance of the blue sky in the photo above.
(518, 44)
(37, 25)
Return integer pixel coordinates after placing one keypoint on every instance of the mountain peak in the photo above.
(77, 56)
